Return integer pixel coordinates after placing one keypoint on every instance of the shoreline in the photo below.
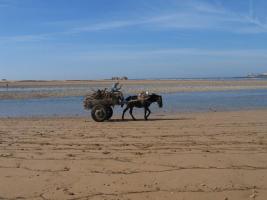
(54, 83)
(47, 89)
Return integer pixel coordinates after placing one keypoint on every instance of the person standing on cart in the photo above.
(116, 87)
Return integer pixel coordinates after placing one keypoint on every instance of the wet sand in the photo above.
(200, 156)
(44, 89)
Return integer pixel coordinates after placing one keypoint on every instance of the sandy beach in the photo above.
(71, 70)
(44, 89)
(200, 156)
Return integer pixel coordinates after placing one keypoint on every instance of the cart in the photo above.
(101, 103)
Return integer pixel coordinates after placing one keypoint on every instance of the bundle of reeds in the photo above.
(90, 99)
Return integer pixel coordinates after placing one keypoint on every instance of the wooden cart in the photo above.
(101, 104)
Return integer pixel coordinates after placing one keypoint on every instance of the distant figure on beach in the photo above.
(7, 87)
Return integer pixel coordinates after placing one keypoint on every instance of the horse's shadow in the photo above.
(150, 120)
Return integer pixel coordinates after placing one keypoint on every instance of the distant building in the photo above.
(263, 75)
(119, 78)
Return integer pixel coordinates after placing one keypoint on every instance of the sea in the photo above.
(180, 102)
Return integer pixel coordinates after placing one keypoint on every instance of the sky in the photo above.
(98, 39)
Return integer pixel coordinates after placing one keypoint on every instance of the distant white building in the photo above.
(262, 75)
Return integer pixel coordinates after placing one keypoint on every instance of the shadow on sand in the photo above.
(149, 120)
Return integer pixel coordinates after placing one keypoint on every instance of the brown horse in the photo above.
(134, 101)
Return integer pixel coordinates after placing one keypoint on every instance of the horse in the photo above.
(134, 101)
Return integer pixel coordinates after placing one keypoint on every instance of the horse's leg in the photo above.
(149, 112)
(124, 111)
(145, 110)
(131, 113)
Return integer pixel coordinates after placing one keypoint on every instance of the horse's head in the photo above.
(159, 101)
(157, 98)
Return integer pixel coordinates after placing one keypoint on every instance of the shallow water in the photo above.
(177, 102)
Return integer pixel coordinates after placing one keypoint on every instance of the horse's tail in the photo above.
(126, 100)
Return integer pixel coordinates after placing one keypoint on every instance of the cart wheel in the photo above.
(109, 113)
(99, 113)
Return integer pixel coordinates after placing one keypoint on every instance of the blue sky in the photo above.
(95, 39)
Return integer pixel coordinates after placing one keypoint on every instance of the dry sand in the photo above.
(200, 156)
(43, 89)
